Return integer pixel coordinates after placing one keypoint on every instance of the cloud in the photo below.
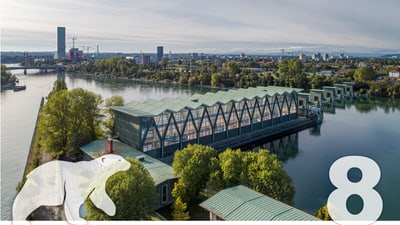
(180, 25)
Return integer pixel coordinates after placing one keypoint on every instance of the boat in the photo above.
(19, 88)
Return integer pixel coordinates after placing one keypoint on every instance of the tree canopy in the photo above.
(192, 165)
(291, 74)
(69, 120)
(133, 192)
(261, 171)
(109, 123)
(7, 77)
(365, 73)
(198, 166)
(323, 213)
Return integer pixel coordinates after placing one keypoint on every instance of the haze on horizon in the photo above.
(209, 26)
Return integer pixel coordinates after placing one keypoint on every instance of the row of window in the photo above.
(190, 124)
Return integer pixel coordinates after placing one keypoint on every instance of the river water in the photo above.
(368, 128)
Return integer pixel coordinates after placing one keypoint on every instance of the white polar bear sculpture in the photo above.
(66, 183)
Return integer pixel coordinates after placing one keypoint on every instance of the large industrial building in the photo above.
(159, 127)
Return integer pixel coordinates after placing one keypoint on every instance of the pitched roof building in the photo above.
(244, 204)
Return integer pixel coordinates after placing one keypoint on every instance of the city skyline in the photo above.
(203, 26)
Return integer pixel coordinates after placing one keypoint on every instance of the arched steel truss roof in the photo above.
(153, 107)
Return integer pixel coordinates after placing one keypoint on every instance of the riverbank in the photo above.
(35, 158)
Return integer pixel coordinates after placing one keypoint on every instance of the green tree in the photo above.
(109, 123)
(232, 68)
(6, 77)
(323, 213)
(260, 171)
(192, 166)
(317, 81)
(69, 120)
(58, 85)
(265, 174)
(291, 73)
(364, 73)
(179, 212)
(216, 80)
(133, 192)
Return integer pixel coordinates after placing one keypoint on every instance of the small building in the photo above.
(327, 73)
(340, 90)
(317, 97)
(303, 101)
(161, 173)
(240, 203)
(349, 88)
(394, 74)
(329, 93)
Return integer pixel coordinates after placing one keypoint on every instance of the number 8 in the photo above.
(372, 201)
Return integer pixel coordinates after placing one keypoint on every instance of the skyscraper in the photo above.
(60, 43)
(160, 52)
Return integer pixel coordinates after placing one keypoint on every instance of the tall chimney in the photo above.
(110, 145)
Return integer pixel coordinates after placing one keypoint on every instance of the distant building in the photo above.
(394, 74)
(362, 64)
(326, 73)
(60, 43)
(145, 59)
(302, 57)
(316, 56)
(160, 53)
(325, 57)
(75, 54)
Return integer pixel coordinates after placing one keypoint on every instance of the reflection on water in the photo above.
(285, 147)
(358, 126)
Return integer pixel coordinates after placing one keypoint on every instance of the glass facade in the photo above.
(207, 124)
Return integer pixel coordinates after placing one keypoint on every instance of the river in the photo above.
(368, 128)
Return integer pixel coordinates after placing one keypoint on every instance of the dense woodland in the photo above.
(371, 79)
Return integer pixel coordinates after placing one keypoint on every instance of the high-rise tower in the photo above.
(60, 43)
(160, 53)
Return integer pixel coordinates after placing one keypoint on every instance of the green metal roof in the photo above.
(156, 107)
(243, 204)
(158, 170)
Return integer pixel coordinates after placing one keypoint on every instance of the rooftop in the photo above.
(243, 204)
(158, 170)
(156, 107)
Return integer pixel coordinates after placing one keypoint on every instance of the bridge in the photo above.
(42, 68)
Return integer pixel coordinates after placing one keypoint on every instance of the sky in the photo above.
(208, 26)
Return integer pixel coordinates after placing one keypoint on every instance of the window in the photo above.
(328, 94)
(315, 98)
(164, 193)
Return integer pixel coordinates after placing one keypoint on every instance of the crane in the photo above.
(73, 42)
(87, 48)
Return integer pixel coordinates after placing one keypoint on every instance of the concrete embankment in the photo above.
(31, 160)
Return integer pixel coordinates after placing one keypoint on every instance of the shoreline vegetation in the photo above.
(369, 80)
(8, 81)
